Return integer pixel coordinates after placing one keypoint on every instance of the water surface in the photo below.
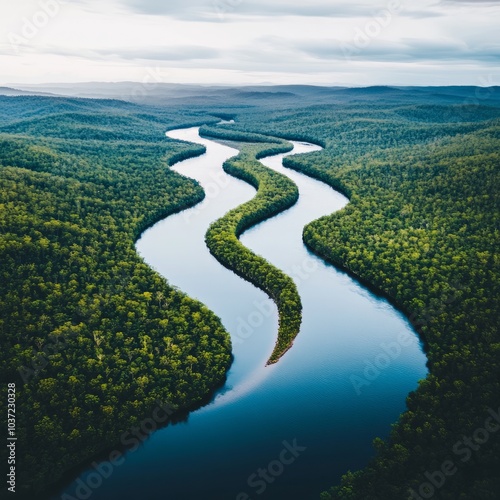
(313, 399)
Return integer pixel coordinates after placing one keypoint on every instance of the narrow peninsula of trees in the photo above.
(275, 193)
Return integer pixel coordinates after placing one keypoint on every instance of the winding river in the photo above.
(342, 384)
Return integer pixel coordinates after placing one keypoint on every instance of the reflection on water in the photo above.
(309, 396)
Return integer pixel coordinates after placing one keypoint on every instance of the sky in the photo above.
(325, 42)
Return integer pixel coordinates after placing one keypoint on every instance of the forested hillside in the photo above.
(422, 229)
(92, 337)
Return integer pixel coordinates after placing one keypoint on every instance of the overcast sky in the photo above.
(359, 42)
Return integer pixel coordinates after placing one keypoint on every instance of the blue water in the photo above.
(238, 447)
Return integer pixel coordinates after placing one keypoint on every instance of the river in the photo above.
(287, 431)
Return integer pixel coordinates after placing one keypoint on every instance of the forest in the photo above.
(421, 228)
(95, 337)
(275, 193)
(92, 337)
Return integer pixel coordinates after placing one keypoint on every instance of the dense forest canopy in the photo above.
(421, 228)
(94, 338)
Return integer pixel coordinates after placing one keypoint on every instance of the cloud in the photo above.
(447, 40)
(404, 51)
(421, 14)
(177, 53)
(215, 10)
(472, 2)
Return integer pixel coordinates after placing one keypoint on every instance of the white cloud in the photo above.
(238, 41)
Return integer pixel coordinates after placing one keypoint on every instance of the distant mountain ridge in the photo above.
(9, 91)
(159, 93)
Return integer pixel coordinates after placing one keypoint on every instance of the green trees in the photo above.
(97, 336)
(83, 321)
(433, 241)
(275, 193)
(421, 228)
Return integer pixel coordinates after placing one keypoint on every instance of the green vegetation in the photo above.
(92, 336)
(275, 193)
(433, 242)
(421, 228)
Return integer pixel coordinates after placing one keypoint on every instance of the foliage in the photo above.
(275, 193)
(91, 335)
(421, 228)
(82, 178)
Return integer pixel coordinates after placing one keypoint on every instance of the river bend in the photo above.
(353, 353)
